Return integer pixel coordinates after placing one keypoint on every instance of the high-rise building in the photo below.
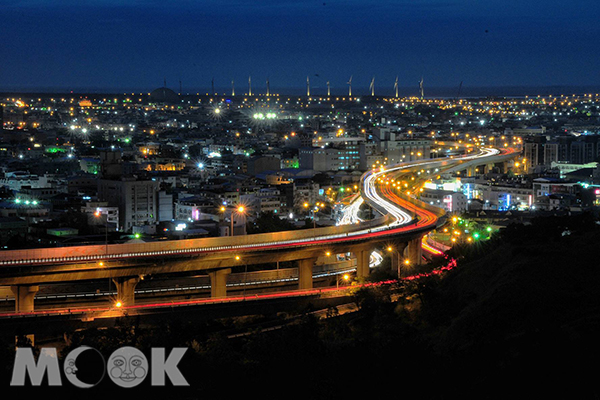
(138, 201)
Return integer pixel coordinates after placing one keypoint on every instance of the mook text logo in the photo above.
(85, 367)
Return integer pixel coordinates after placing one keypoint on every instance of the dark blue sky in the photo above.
(133, 45)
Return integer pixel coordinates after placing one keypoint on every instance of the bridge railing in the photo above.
(96, 252)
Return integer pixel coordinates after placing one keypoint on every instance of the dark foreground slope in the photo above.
(519, 318)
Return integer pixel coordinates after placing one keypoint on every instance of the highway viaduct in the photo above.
(126, 264)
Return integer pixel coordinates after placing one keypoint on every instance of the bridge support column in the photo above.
(305, 273)
(489, 168)
(414, 252)
(218, 282)
(505, 167)
(24, 297)
(24, 303)
(471, 171)
(126, 289)
(397, 258)
(363, 257)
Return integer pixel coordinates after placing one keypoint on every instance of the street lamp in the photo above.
(240, 210)
(98, 214)
(312, 211)
(345, 278)
(406, 263)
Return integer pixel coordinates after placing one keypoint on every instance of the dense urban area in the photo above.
(84, 169)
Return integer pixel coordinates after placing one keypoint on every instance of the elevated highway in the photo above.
(403, 222)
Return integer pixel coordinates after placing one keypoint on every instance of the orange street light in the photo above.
(240, 211)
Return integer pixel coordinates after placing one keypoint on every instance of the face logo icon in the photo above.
(84, 367)
(70, 367)
(127, 367)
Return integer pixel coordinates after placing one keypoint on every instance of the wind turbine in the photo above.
(396, 87)
(372, 86)
(307, 87)
(459, 89)
(268, 89)
(249, 86)
(350, 86)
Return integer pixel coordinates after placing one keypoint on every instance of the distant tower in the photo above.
(350, 86)
(307, 87)
(232, 88)
(372, 86)
(396, 87)
(268, 89)
(328, 89)
(459, 89)
(249, 86)
(421, 88)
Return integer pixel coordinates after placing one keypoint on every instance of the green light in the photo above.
(489, 229)
(54, 150)
(137, 235)
(476, 236)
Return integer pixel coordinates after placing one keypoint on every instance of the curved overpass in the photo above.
(404, 219)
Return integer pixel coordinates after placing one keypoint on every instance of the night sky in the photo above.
(131, 45)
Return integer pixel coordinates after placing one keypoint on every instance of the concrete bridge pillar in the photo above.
(414, 252)
(471, 171)
(305, 273)
(126, 289)
(24, 297)
(505, 167)
(218, 282)
(363, 256)
(24, 303)
(397, 258)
